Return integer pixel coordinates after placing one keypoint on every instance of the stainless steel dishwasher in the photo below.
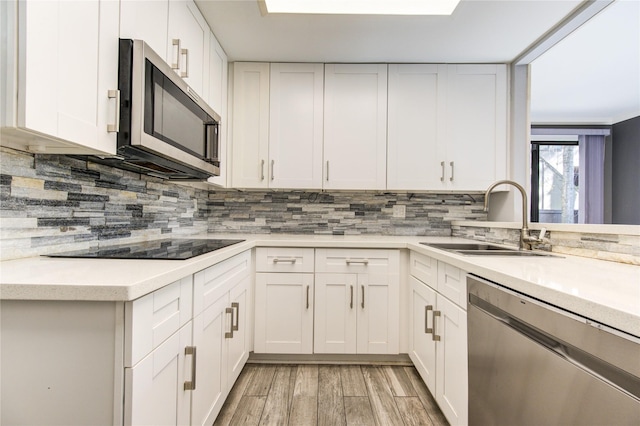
(534, 364)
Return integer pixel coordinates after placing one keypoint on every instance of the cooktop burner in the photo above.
(172, 249)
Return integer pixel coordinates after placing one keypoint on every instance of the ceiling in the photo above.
(589, 77)
(477, 31)
(593, 75)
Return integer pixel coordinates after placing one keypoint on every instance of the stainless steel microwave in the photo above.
(165, 128)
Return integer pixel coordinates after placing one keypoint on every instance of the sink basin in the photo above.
(504, 253)
(485, 249)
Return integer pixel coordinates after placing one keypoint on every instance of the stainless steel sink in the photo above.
(485, 249)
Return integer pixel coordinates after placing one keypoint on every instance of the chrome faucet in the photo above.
(527, 241)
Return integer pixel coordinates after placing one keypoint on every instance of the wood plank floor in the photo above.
(329, 395)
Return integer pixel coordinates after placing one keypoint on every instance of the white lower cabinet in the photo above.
(438, 336)
(338, 301)
(284, 300)
(357, 301)
(185, 345)
(284, 316)
(154, 388)
(220, 333)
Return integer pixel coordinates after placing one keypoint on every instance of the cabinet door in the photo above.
(355, 126)
(284, 313)
(217, 99)
(146, 20)
(250, 125)
(378, 314)
(335, 313)
(477, 150)
(451, 357)
(188, 42)
(238, 344)
(154, 388)
(209, 329)
(422, 347)
(67, 67)
(295, 126)
(416, 110)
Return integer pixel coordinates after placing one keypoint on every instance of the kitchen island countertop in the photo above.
(605, 292)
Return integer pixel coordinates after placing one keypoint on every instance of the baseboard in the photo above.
(360, 359)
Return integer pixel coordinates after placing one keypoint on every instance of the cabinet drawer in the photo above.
(452, 283)
(369, 261)
(153, 318)
(424, 268)
(208, 284)
(282, 259)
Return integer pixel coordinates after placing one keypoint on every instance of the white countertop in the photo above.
(605, 292)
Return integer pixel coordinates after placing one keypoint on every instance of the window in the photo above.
(555, 172)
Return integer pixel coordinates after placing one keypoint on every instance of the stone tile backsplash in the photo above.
(58, 203)
(340, 213)
(54, 203)
(612, 247)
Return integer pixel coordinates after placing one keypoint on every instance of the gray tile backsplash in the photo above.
(340, 213)
(53, 203)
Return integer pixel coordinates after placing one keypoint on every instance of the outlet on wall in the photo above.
(400, 211)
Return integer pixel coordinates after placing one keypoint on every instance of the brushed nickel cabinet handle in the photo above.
(115, 127)
(357, 261)
(236, 306)
(191, 384)
(451, 178)
(291, 260)
(185, 53)
(308, 297)
(176, 64)
(273, 162)
(442, 171)
(262, 170)
(427, 330)
(327, 170)
(229, 334)
(351, 303)
(435, 336)
(362, 304)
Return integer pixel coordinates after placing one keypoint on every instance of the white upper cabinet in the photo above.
(476, 129)
(417, 105)
(447, 126)
(62, 80)
(175, 30)
(250, 151)
(188, 43)
(216, 96)
(146, 20)
(277, 125)
(295, 126)
(355, 126)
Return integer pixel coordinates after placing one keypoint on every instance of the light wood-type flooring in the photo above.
(329, 395)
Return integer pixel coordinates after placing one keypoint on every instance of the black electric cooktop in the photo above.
(172, 249)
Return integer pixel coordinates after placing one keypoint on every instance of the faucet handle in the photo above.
(542, 233)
